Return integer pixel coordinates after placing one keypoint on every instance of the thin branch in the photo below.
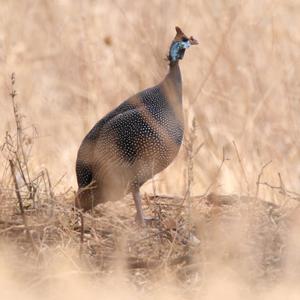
(21, 206)
(80, 214)
(242, 166)
(23, 162)
(259, 177)
(285, 192)
(217, 174)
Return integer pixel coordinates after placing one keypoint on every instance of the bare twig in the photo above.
(58, 181)
(242, 167)
(217, 173)
(29, 236)
(10, 223)
(281, 184)
(190, 171)
(51, 194)
(282, 190)
(20, 148)
(81, 233)
(259, 177)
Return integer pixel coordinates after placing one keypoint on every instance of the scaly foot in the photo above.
(145, 221)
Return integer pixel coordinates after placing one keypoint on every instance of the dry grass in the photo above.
(74, 61)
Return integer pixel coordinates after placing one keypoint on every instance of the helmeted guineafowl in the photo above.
(135, 141)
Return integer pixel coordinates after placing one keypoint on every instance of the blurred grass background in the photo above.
(76, 60)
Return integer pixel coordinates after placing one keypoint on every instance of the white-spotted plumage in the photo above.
(135, 141)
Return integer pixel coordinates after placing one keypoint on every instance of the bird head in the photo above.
(179, 44)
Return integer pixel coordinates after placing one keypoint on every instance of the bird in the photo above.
(135, 141)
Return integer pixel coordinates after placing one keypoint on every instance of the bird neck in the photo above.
(174, 71)
(172, 89)
(173, 79)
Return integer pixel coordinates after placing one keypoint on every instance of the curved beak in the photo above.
(193, 41)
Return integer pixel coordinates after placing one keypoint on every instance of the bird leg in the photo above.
(138, 205)
(140, 218)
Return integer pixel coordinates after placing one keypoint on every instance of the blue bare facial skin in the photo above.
(186, 44)
(178, 48)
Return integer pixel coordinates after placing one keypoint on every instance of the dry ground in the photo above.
(76, 60)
